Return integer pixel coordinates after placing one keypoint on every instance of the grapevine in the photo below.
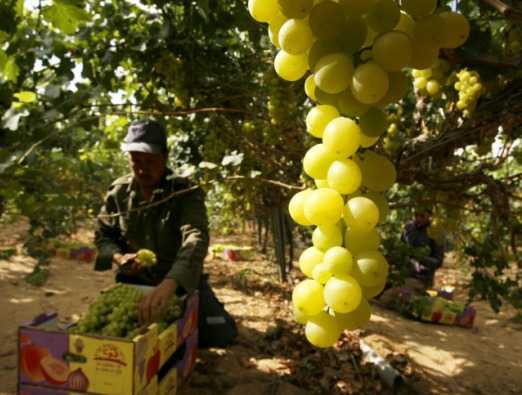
(355, 52)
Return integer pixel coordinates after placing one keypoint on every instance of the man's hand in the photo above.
(127, 262)
(156, 302)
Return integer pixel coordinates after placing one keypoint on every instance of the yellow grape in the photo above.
(392, 50)
(373, 123)
(419, 8)
(428, 31)
(426, 73)
(378, 172)
(350, 106)
(317, 160)
(370, 83)
(309, 87)
(380, 202)
(290, 67)
(383, 15)
(327, 20)
(295, 36)
(356, 319)
(333, 73)
(368, 141)
(423, 55)
(398, 87)
(295, 8)
(321, 273)
(356, 7)
(307, 296)
(327, 98)
(263, 10)
(406, 25)
(309, 258)
(455, 31)
(320, 49)
(325, 237)
(299, 316)
(318, 117)
(342, 293)
(296, 207)
(321, 183)
(274, 27)
(371, 292)
(432, 87)
(342, 137)
(339, 260)
(372, 268)
(361, 213)
(420, 83)
(322, 330)
(357, 241)
(344, 176)
(354, 34)
(324, 206)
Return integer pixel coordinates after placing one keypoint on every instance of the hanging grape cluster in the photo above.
(115, 313)
(355, 51)
(470, 89)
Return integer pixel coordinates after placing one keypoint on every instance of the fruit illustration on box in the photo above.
(54, 370)
(153, 365)
(78, 381)
(25, 340)
(30, 357)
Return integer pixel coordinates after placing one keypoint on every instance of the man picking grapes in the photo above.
(152, 209)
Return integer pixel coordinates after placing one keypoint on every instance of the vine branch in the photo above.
(508, 11)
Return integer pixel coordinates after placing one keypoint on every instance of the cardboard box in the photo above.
(53, 358)
(177, 370)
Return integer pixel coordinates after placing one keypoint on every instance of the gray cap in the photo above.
(147, 136)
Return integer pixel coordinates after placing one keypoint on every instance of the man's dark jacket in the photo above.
(174, 227)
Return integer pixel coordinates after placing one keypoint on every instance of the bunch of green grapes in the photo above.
(432, 79)
(115, 313)
(146, 258)
(470, 89)
(354, 53)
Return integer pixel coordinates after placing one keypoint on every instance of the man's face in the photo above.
(147, 168)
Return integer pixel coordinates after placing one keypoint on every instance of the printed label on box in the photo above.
(108, 368)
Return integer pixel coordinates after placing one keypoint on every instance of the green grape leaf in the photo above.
(26, 96)
(65, 16)
(9, 70)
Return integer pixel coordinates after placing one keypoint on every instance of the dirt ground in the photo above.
(443, 360)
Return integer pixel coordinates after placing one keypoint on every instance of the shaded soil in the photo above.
(271, 355)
